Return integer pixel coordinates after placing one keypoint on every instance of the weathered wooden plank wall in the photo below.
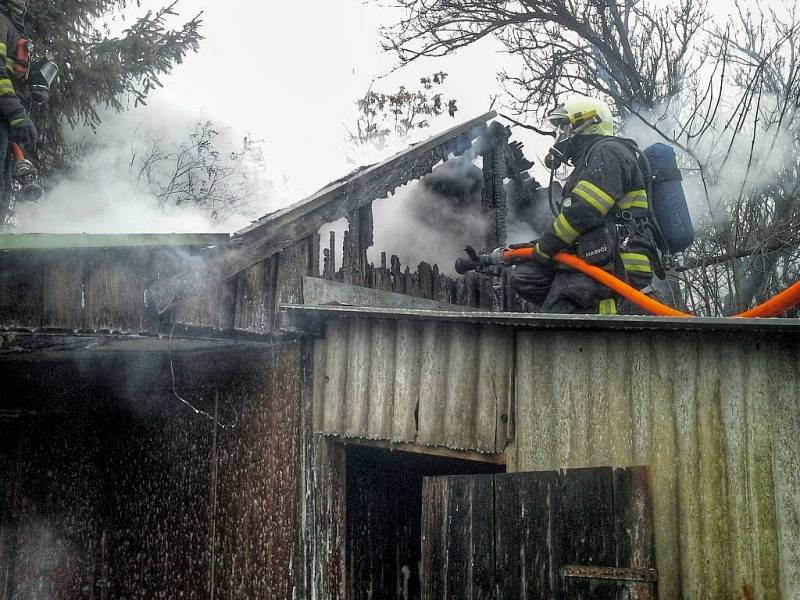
(210, 305)
(107, 289)
(101, 289)
(112, 487)
(293, 264)
(507, 536)
(21, 296)
(458, 538)
(519, 531)
(255, 297)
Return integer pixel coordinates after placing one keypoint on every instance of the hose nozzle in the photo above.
(464, 265)
(26, 175)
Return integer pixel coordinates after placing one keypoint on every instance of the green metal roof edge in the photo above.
(44, 241)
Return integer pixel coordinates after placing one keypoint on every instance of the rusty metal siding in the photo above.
(716, 415)
(429, 383)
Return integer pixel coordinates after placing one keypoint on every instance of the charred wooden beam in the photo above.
(494, 174)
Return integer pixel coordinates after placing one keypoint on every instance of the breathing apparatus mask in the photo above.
(559, 152)
(42, 74)
(577, 115)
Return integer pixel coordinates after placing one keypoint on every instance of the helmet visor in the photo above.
(558, 122)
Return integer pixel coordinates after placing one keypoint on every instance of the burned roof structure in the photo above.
(245, 416)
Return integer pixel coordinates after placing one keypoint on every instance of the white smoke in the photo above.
(522, 231)
(737, 162)
(105, 192)
(419, 225)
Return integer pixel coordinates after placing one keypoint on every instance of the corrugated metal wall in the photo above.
(717, 416)
(432, 383)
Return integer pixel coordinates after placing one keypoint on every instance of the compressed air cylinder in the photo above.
(668, 199)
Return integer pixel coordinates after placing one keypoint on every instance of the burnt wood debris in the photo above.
(351, 197)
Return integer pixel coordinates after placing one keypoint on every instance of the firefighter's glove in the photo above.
(23, 131)
(541, 256)
(494, 258)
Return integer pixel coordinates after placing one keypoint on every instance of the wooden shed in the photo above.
(204, 416)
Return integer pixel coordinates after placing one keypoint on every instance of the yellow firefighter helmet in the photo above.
(582, 115)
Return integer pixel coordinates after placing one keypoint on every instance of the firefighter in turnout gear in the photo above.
(15, 65)
(22, 86)
(603, 215)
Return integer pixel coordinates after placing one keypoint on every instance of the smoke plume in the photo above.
(418, 224)
(124, 180)
(737, 161)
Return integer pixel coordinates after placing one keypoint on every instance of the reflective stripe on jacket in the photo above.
(10, 104)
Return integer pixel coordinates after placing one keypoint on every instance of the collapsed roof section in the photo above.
(343, 197)
(363, 186)
(270, 257)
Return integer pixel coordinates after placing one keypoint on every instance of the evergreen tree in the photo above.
(98, 69)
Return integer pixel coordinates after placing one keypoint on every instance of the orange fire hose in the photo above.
(771, 308)
(16, 150)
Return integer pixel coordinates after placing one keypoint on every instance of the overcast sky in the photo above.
(289, 73)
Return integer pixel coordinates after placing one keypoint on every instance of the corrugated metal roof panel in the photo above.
(428, 383)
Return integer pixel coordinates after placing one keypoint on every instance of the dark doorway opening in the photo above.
(384, 511)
